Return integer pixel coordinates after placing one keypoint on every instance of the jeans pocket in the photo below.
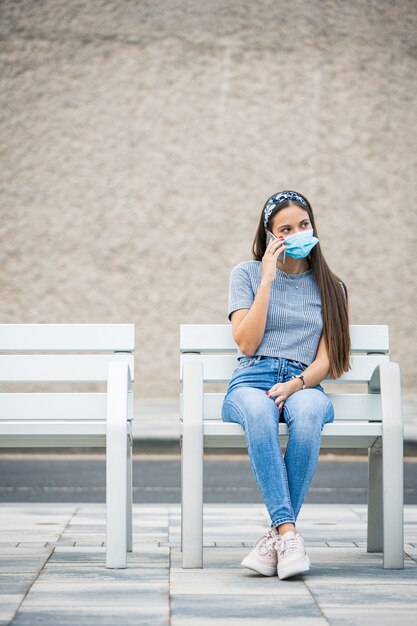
(246, 361)
(294, 369)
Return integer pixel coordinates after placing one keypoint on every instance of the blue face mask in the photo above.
(299, 245)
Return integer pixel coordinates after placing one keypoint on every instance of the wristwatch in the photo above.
(302, 380)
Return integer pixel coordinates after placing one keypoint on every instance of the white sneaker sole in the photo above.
(261, 568)
(299, 567)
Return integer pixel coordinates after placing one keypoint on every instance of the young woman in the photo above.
(289, 317)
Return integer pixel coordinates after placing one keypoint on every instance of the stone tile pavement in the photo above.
(52, 570)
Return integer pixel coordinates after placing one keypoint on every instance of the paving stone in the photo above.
(94, 573)
(255, 607)
(231, 582)
(367, 616)
(341, 544)
(9, 603)
(111, 595)
(15, 583)
(22, 550)
(23, 563)
(104, 616)
(7, 614)
(359, 573)
(272, 620)
(213, 557)
(377, 594)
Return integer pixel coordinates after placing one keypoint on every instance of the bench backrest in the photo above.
(60, 353)
(213, 345)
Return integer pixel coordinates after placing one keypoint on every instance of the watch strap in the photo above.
(302, 379)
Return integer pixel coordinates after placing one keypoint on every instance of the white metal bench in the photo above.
(370, 420)
(75, 353)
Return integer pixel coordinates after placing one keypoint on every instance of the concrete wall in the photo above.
(139, 141)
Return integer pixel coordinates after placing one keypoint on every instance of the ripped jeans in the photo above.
(283, 481)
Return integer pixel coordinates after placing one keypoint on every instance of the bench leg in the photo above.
(392, 466)
(192, 467)
(129, 511)
(116, 466)
(393, 505)
(375, 511)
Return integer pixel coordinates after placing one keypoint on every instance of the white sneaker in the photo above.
(263, 557)
(292, 556)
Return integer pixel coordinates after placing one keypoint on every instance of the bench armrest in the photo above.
(192, 463)
(192, 396)
(118, 408)
(386, 381)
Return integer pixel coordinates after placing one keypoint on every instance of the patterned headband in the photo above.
(277, 199)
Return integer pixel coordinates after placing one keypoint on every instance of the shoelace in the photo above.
(286, 546)
(267, 542)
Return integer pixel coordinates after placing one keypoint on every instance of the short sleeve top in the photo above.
(294, 321)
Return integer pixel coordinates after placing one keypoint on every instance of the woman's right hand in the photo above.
(270, 258)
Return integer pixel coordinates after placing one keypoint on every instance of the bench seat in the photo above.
(335, 435)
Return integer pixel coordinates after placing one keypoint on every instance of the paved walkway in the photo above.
(52, 570)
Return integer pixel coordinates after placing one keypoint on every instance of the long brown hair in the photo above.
(333, 292)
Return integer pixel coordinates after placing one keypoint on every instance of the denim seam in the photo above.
(303, 493)
(250, 459)
(283, 373)
(288, 498)
(305, 490)
(278, 522)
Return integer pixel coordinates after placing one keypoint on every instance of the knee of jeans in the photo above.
(308, 410)
(250, 407)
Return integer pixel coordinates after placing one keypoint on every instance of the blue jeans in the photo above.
(283, 482)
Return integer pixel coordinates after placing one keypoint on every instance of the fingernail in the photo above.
(267, 393)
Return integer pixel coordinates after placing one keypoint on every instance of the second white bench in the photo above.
(54, 354)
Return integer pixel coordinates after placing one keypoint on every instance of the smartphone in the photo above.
(269, 236)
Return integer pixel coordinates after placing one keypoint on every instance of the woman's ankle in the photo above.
(284, 528)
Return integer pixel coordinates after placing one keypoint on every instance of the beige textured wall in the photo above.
(139, 141)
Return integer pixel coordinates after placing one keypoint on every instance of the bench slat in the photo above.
(46, 427)
(335, 435)
(67, 337)
(53, 441)
(347, 406)
(218, 338)
(18, 434)
(56, 368)
(54, 406)
(219, 368)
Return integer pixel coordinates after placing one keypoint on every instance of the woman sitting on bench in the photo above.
(290, 321)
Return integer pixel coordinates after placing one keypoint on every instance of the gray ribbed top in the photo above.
(294, 323)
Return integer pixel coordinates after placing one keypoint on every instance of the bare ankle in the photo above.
(284, 528)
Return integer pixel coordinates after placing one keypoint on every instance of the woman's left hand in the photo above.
(281, 391)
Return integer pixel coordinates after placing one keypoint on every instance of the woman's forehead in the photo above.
(290, 215)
